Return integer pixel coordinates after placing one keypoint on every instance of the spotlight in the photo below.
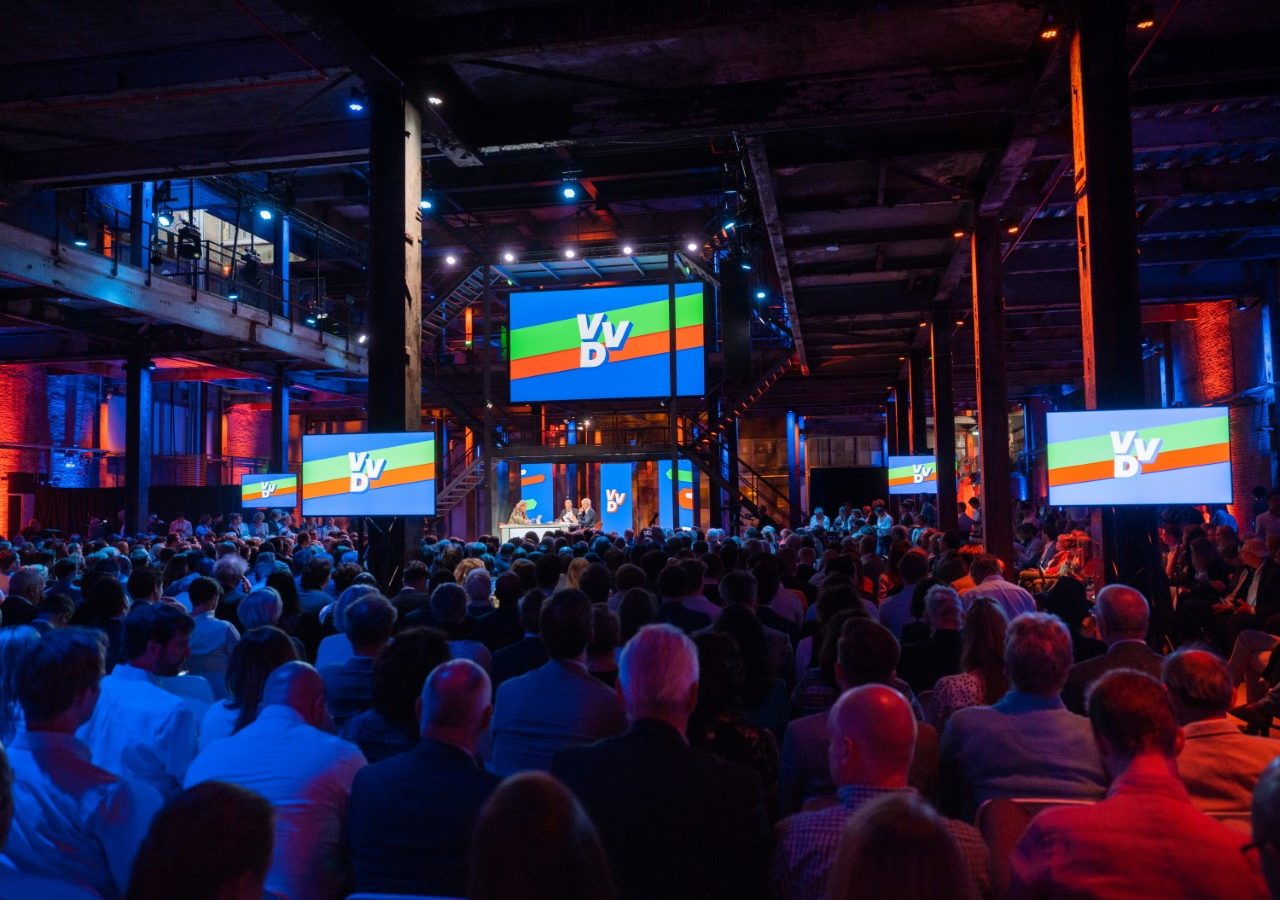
(311, 320)
(356, 100)
(922, 323)
(1012, 229)
(569, 192)
(188, 242)
(960, 321)
(729, 225)
(509, 257)
(1242, 305)
(957, 234)
(164, 218)
(425, 203)
(760, 295)
(626, 250)
(451, 260)
(570, 253)
(746, 266)
(1146, 17)
(233, 293)
(362, 338)
(81, 238)
(692, 246)
(1050, 29)
(265, 214)
(435, 100)
(251, 271)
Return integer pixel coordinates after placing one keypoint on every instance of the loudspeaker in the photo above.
(735, 320)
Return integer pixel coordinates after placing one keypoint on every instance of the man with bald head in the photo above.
(873, 738)
(304, 772)
(1123, 616)
(411, 816)
(1219, 765)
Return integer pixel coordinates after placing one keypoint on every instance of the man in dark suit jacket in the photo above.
(526, 654)
(413, 596)
(922, 664)
(410, 817)
(587, 516)
(676, 822)
(1123, 619)
(348, 688)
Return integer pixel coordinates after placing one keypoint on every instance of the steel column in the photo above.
(280, 421)
(944, 414)
(993, 394)
(137, 443)
(918, 384)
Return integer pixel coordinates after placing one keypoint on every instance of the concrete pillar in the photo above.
(993, 393)
(137, 443)
(944, 414)
(1111, 317)
(395, 292)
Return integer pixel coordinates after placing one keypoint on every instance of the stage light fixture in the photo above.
(626, 250)
(1049, 31)
(425, 203)
(1146, 17)
(435, 100)
(509, 257)
(265, 214)
(570, 253)
(692, 247)
(960, 321)
(1012, 229)
(729, 225)
(356, 100)
(362, 338)
(311, 320)
(922, 323)
(746, 266)
(760, 295)
(957, 234)
(188, 242)
(451, 260)
(164, 218)
(81, 237)
(233, 293)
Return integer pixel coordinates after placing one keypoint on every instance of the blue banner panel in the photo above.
(617, 509)
(536, 489)
(688, 488)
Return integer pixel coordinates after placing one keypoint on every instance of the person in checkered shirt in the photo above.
(873, 738)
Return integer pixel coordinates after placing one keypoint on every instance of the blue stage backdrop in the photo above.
(536, 487)
(688, 488)
(617, 507)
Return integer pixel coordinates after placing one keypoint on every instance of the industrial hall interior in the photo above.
(579, 450)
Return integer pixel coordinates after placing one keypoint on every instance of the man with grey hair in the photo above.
(26, 590)
(1028, 744)
(1123, 616)
(677, 822)
(1219, 765)
(985, 570)
(411, 816)
(923, 663)
(289, 757)
(478, 584)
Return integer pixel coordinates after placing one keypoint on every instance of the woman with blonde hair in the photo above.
(573, 576)
(982, 680)
(897, 846)
(461, 569)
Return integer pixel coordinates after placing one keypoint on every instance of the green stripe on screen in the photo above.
(647, 318)
(398, 457)
(1082, 451)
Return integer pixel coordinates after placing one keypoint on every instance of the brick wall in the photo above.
(246, 432)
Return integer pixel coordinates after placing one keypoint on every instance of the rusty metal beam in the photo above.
(762, 175)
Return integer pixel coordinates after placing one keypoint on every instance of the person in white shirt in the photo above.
(139, 730)
(569, 515)
(72, 820)
(304, 772)
(180, 526)
(212, 639)
(819, 519)
(988, 582)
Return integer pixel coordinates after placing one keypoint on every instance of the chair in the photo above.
(1002, 822)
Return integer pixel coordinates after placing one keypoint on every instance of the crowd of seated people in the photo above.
(861, 708)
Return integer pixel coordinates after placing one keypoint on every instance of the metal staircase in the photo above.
(706, 431)
(465, 474)
(753, 490)
(469, 290)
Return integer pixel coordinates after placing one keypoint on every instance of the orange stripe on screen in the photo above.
(390, 478)
(687, 338)
(1167, 461)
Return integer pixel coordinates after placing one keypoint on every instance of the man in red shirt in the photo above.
(1145, 839)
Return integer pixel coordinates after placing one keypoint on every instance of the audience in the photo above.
(985, 571)
(259, 653)
(212, 640)
(534, 841)
(1266, 825)
(982, 679)
(923, 663)
(15, 643)
(675, 822)
(139, 730)
(1218, 764)
(348, 688)
(72, 820)
(1170, 848)
(1028, 744)
(873, 736)
(289, 757)
(558, 704)
(410, 818)
(214, 839)
(390, 726)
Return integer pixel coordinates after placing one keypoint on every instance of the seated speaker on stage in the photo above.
(519, 514)
(587, 516)
(569, 515)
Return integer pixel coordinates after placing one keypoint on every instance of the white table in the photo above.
(514, 532)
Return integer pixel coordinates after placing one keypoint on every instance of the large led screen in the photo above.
(605, 343)
(369, 474)
(268, 491)
(913, 475)
(1139, 456)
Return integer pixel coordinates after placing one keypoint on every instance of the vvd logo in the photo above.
(1132, 452)
(613, 500)
(596, 352)
(364, 470)
(920, 472)
(268, 488)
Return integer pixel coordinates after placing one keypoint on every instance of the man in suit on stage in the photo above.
(587, 516)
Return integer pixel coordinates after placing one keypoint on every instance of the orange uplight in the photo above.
(1144, 24)
(1048, 33)
(1013, 229)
